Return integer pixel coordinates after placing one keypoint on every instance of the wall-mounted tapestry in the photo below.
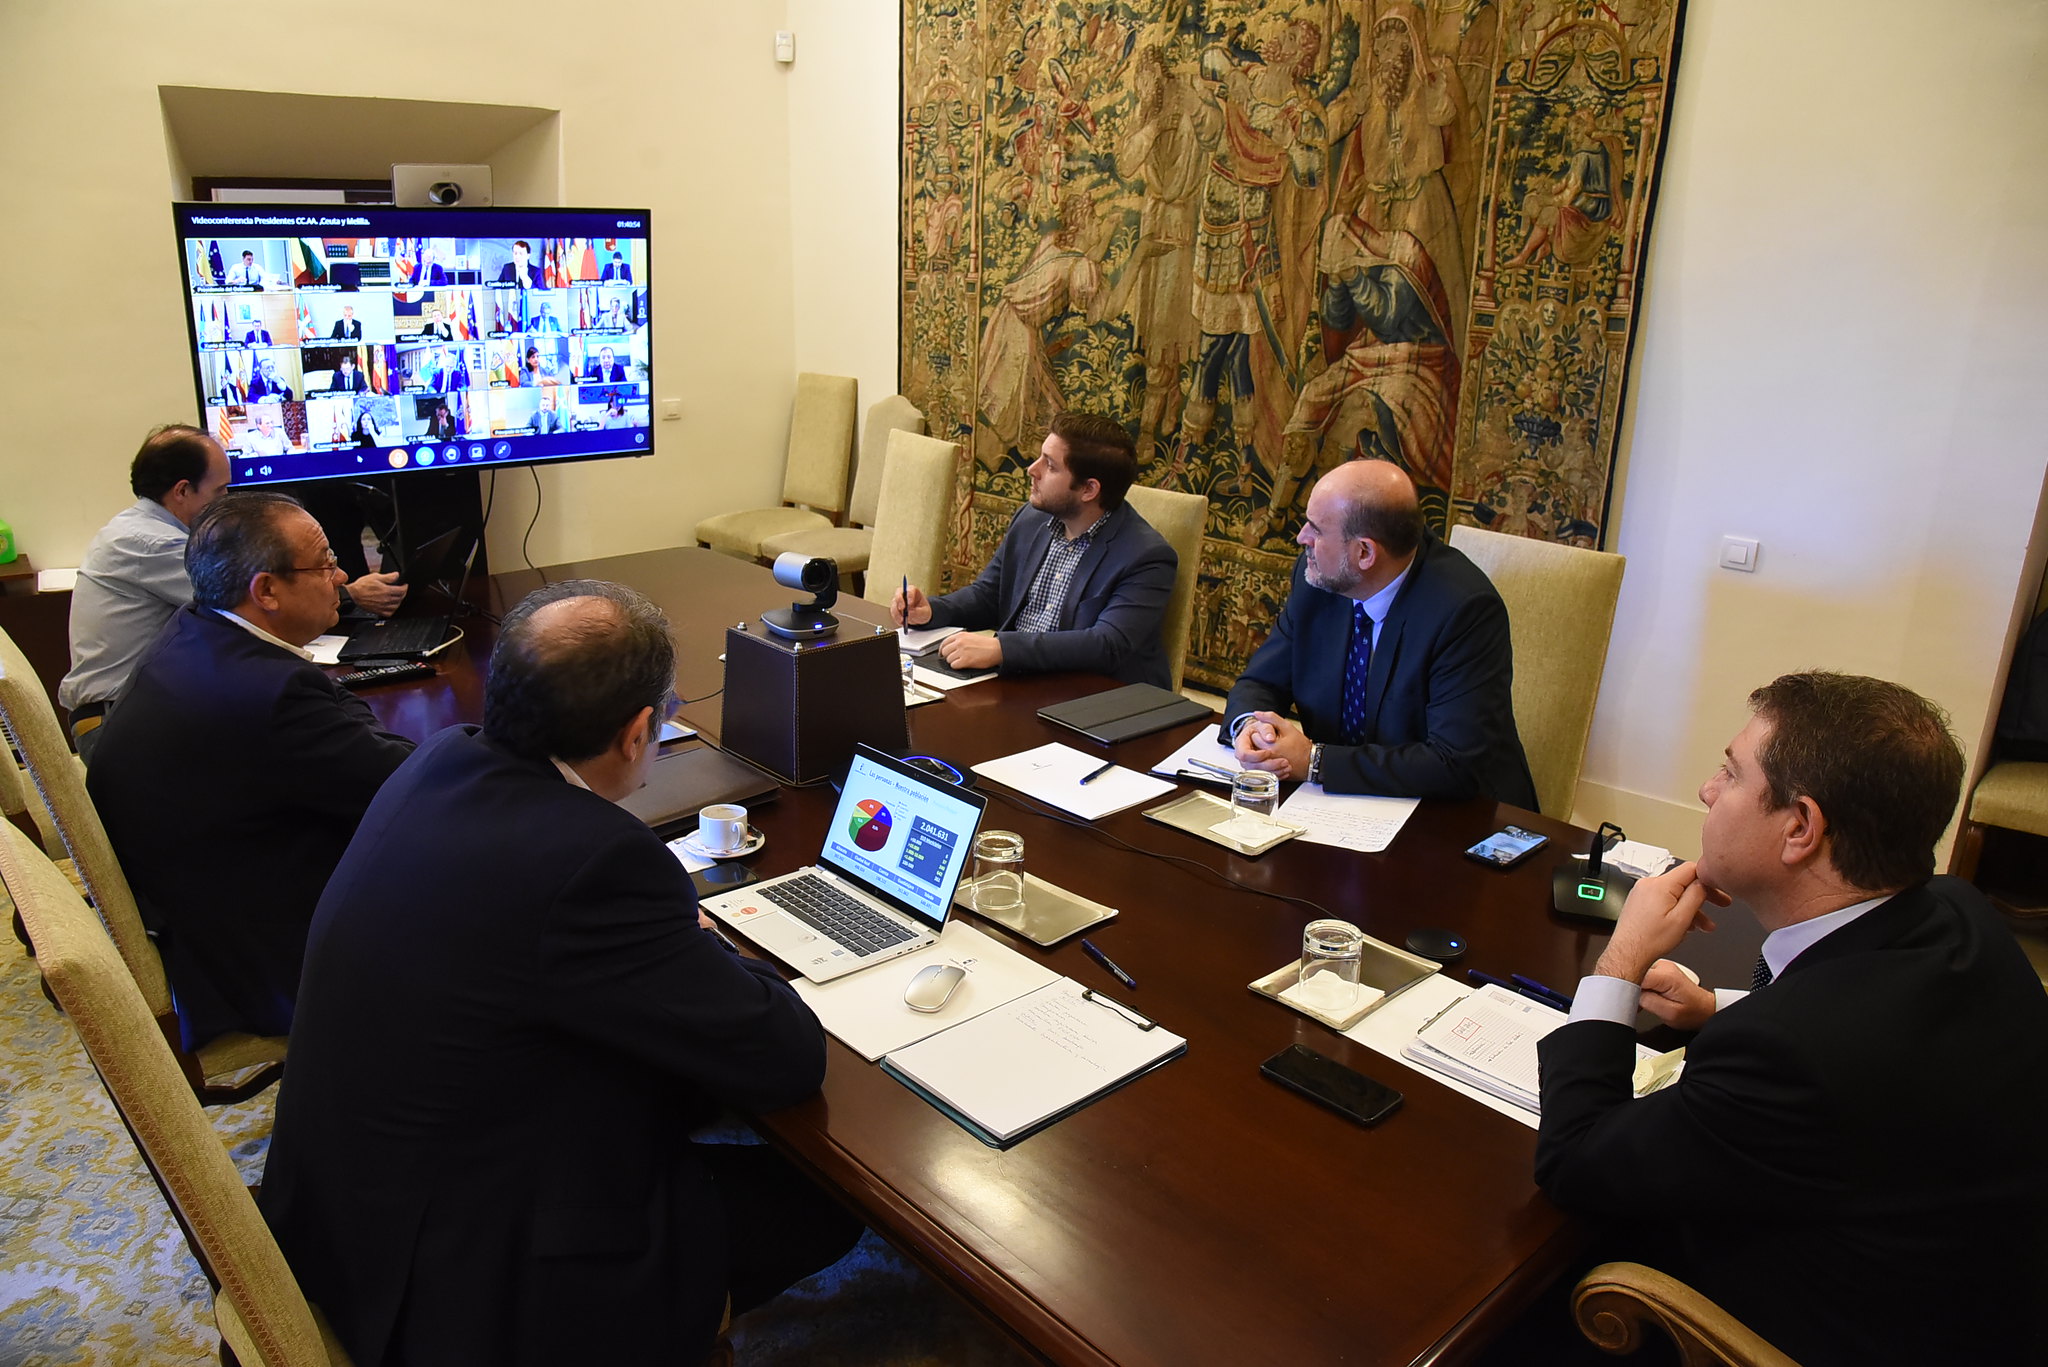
(1272, 237)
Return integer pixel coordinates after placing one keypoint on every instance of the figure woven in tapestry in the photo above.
(1272, 237)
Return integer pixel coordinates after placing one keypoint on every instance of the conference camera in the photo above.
(446, 193)
(811, 573)
(815, 575)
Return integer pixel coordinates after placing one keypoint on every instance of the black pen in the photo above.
(1542, 993)
(1126, 979)
(1094, 774)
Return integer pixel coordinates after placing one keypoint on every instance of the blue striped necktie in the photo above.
(1357, 667)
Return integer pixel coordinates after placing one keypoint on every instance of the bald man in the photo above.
(525, 1189)
(1390, 670)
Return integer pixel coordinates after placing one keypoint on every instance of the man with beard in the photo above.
(1392, 655)
(1080, 581)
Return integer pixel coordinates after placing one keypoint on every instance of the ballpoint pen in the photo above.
(1215, 769)
(906, 600)
(1542, 993)
(1094, 774)
(1089, 946)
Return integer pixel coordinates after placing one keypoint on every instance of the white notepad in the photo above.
(1015, 1069)
(1053, 773)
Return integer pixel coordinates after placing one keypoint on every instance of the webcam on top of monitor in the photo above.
(440, 185)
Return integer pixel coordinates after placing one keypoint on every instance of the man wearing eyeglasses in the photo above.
(232, 771)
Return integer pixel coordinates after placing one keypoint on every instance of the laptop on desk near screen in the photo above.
(883, 885)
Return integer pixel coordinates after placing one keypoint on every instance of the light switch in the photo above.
(671, 409)
(785, 45)
(1739, 553)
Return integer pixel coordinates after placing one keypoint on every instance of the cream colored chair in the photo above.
(1560, 602)
(230, 1068)
(1182, 519)
(813, 474)
(912, 511)
(849, 547)
(264, 1319)
(1616, 1301)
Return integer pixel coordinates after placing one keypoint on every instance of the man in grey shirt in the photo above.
(133, 576)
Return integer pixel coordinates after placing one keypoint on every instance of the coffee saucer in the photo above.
(755, 840)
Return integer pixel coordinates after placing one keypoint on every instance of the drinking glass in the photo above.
(1330, 952)
(998, 871)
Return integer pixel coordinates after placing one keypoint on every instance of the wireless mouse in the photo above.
(933, 987)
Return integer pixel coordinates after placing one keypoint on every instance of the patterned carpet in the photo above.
(93, 1269)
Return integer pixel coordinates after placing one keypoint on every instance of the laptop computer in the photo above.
(883, 885)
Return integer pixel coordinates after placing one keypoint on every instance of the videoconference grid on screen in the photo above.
(340, 340)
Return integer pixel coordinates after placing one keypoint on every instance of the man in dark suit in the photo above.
(231, 771)
(1080, 581)
(348, 327)
(347, 379)
(617, 269)
(501, 924)
(520, 270)
(1852, 1160)
(606, 368)
(1392, 653)
(428, 271)
(256, 336)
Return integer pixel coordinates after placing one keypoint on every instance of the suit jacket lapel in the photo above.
(1386, 651)
(1091, 561)
(1037, 535)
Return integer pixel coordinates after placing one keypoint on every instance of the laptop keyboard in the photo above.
(831, 912)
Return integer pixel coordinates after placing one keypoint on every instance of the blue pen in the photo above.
(906, 600)
(1542, 993)
(1488, 980)
(1126, 979)
(1094, 774)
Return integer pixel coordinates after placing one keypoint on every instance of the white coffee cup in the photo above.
(722, 827)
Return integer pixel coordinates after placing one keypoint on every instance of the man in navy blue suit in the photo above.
(256, 336)
(226, 724)
(348, 327)
(1390, 670)
(499, 920)
(606, 368)
(1851, 1162)
(1081, 580)
(519, 270)
(617, 269)
(428, 271)
(347, 379)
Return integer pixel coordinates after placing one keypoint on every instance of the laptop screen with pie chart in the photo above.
(902, 833)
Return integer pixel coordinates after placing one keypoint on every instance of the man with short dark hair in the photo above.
(1080, 581)
(1392, 655)
(520, 270)
(524, 1189)
(133, 574)
(232, 772)
(1851, 1162)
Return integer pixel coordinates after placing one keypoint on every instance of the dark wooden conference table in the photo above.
(1201, 1214)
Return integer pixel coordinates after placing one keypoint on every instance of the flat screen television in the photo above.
(339, 341)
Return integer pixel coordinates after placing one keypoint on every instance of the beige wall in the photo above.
(1841, 351)
(686, 116)
(1841, 355)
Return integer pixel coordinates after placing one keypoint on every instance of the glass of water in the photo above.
(1254, 792)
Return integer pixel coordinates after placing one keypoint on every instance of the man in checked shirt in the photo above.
(1080, 581)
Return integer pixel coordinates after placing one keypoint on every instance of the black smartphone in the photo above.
(722, 878)
(1507, 847)
(1321, 1078)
